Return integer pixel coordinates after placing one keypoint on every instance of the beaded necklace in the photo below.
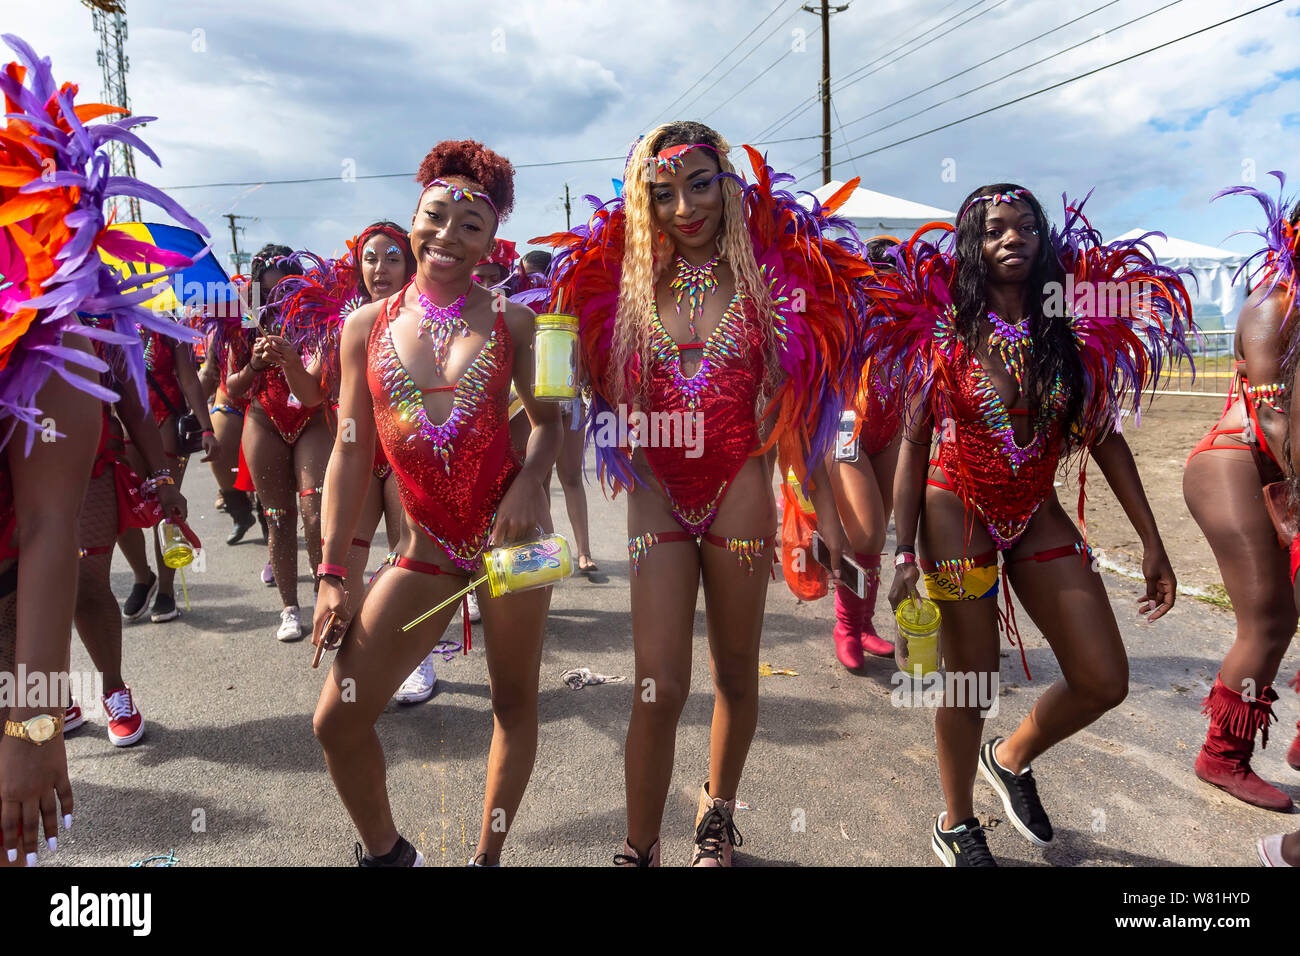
(1011, 343)
(694, 282)
(441, 323)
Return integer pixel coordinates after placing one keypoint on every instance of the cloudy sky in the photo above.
(328, 90)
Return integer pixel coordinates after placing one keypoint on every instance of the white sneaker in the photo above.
(290, 625)
(474, 615)
(419, 686)
(1269, 849)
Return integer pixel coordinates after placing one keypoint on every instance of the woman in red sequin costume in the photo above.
(1014, 378)
(426, 374)
(862, 475)
(226, 413)
(1225, 484)
(715, 311)
(286, 444)
(329, 291)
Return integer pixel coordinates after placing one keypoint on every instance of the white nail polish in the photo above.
(13, 856)
(53, 844)
(31, 859)
(67, 821)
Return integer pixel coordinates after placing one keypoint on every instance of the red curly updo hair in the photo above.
(471, 160)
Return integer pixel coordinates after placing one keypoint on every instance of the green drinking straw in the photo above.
(455, 597)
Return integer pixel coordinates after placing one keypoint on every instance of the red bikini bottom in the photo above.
(424, 567)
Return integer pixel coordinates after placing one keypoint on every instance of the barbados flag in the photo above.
(203, 284)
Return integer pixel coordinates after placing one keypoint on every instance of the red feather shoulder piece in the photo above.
(1130, 315)
(817, 285)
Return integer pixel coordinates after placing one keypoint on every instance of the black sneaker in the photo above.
(164, 609)
(402, 854)
(137, 602)
(963, 845)
(1019, 796)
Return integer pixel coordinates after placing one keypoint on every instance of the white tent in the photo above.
(1215, 300)
(878, 214)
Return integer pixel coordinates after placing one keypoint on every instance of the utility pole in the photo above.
(238, 258)
(824, 11)
(568, 219)
(108, 19)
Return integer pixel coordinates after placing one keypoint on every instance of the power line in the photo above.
(410, 175)
(997, 79)
(1065, 82)
(669, 108)
(854, 78)
(1005, 52)
(802, 106)
(744, 58)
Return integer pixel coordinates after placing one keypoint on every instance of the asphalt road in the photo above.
(229, 772)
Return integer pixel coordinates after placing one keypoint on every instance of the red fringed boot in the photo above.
(848, 646)
(872, 642)
(1224, 760)
(1293, 755)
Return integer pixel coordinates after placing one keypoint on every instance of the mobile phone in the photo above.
(846, 445)
(851, 574)
(330, 634)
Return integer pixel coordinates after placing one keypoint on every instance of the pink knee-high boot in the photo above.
(872, 642)
(848, 613)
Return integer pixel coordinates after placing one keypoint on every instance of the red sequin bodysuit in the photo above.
(285, 412)
(451, 475)
(1001, 480)
(165, 396)
(717, 402)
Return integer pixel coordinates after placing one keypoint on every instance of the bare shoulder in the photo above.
(357, 326)
(1263, 315)
(519, 320)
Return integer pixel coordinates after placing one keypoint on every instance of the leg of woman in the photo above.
(311, 455)
(1067, 600)
(393, 513)
(271, 462)
(98, 619)
(513, 625)
(97, 616)
(166, 575)
(371, 512)
(1224, 494)
(374, 658)
(734, 599)
(663, 620)
(569, 466)
(227, 427)
(969, 636)
(133, 549)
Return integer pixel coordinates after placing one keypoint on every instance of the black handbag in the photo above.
(189, 433)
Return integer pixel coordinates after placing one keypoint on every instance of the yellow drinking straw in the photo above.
(455, 597)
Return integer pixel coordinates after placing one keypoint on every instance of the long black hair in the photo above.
(1054, 353)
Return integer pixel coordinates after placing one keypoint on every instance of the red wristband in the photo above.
(335, 570)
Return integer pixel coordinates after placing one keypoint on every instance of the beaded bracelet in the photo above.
(1267, 395)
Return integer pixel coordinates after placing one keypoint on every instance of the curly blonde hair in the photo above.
(647, 253)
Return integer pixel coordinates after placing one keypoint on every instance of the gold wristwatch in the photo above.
(39, 730)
